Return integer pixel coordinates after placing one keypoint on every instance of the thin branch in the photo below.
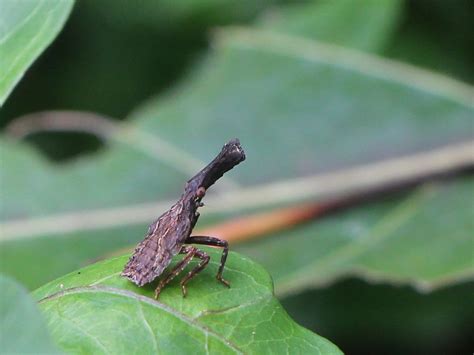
(415, 168)
(62, 121)
(108, 129)
(260, 224)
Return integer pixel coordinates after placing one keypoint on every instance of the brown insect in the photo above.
(171, 232)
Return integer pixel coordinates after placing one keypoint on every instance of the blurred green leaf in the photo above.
(84, 308)
(301, 108)
(23, 329)
(364, 24)
(423, 238)
(27, 28)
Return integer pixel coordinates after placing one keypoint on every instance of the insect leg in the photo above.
(205, 240)
(190, 252)
(204, 261)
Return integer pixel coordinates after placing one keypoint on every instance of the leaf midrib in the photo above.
(139, 298)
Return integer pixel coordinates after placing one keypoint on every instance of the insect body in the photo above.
(170, 234)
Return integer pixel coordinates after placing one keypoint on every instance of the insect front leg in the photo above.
(190, 252)
(205, 240)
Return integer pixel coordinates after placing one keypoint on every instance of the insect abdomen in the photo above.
(147, 262)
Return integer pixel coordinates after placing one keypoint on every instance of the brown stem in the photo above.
(261, 224)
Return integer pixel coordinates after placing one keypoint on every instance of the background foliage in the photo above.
(301, 106)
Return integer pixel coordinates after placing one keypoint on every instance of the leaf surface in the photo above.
(365, 24)
(23, 328)
(95, 310)
(423, 239)
(27, 28)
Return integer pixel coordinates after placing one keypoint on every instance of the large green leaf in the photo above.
(423, 238)
(23, 329)
(300, 108)
(95, 310)
(27, 28)
(344, 22)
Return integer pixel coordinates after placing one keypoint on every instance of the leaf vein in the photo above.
(21, 23)
(140, 298)
(147, 325)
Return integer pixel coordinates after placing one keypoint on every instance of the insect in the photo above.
(170, 234)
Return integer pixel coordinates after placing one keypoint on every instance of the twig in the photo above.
(415, 168)
(107, 129)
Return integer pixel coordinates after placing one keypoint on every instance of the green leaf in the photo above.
(362, 24)
(302, 109)
(423, 239)
(95, 310)
(28, 27)
(23, 329)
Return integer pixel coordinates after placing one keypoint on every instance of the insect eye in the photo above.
(200, 192)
